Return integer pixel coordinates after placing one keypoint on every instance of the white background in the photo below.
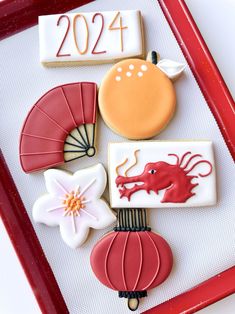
(216, 20)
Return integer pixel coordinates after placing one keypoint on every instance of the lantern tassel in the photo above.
(133, 304)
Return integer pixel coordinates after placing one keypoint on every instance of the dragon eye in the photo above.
(152, 171)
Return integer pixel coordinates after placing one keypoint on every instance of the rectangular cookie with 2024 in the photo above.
(90, 37)
(162, 174)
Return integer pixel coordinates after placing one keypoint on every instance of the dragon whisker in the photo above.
(191, 158)
(182, 158)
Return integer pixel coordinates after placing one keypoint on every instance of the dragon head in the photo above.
(156, 176)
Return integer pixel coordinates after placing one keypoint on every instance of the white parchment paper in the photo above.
(202, 239)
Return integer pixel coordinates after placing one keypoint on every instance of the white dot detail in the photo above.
(118, 78)
(144, 67)
(131, 67)
(128, 74)
(119, 69)
(140, 74)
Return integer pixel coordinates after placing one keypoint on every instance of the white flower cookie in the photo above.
(73, 203)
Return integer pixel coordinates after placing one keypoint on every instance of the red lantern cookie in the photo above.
(137, 99)
(132, 259)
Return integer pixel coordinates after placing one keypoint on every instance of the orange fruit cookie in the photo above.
(136, 99)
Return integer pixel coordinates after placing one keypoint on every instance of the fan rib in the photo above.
(42, 137)
(51, 119)
(81, 96)
(80, 133)
(68, 143)
(68, 107)
(40, 153)
(84, 116)
(94, 107)
(73, 151)
(93, 135)
(77, 140)
(88, 142)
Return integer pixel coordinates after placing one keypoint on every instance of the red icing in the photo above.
(88, 96)
(162, 175)
(58, 54)
(101, 30)
(131, 261)
(51, 119)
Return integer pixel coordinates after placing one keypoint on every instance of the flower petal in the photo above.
(75, 230)
(98, 215)
(58, 182)
(49, 210)
(73, 236)
(92, 181)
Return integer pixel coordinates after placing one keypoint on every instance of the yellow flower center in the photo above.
(73, 203)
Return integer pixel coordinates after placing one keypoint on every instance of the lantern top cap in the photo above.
(132, 220)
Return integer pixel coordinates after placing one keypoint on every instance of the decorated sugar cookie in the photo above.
(156, 174)
(137, 98)
(90, 37)
(74, 203)
(132, 259)
(60, 127)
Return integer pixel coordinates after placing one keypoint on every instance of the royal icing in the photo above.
(90, 37)
(136, 99)
(171, 68)
(60, 127)
(74, 203)
(162, 174)
(132, 259)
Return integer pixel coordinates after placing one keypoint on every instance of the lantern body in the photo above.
(129, 261)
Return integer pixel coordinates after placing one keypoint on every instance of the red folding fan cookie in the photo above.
(60, 127)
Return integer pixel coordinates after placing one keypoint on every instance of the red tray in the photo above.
(12, 210)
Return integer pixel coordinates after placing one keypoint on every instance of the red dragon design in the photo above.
(161, 175)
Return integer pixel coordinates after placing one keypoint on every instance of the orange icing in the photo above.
(73, 203)
(121, 28)
(133, 165)
(122, 164)
(75, 33)
(136, 99)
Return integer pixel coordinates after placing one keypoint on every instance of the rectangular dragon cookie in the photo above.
(156, 174)
(90, 37)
